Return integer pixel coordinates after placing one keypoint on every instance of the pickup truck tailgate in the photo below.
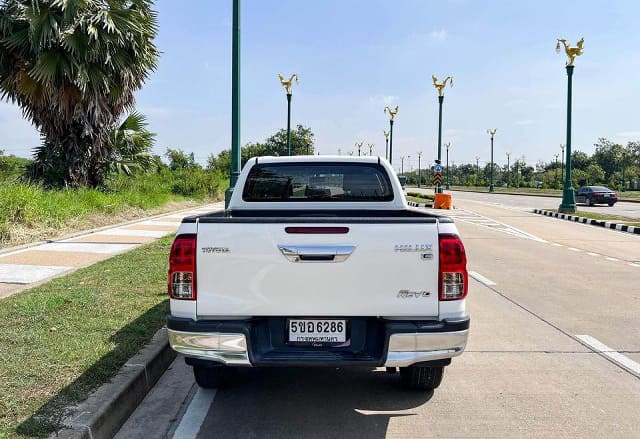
(376, 268)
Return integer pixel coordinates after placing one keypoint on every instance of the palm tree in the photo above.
(129, 146)
(73, 66)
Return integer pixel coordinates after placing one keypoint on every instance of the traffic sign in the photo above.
(437, 178)
(437, 168)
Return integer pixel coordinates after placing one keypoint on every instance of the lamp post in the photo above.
(419, 170)
(568, 204)
(562, 163)
(401, 165)
(555, 178)
(624, 160)
(440, 87)
(386, 144)
(359, 146)
(235, 102)
(370, 145)
(491, 133)
(447, 146)
(477, 170)
(508, 153)
(392, 115)
(287, 87)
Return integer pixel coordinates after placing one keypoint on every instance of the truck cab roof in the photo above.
(317, 182)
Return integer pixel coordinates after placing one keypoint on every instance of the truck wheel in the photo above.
(421, 378)
(212, 377)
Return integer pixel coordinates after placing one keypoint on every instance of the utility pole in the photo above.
(419, 169)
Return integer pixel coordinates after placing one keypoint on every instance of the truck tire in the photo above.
(421, 378)
(212, 377)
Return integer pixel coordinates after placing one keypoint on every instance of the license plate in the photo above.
(317, 331)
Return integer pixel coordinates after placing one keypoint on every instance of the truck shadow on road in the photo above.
(311, 403)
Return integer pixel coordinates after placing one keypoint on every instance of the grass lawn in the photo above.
(63, 339)
(419, 200)
(606, 217)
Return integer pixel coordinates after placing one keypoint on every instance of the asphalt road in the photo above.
(553, 352)
(529, 203)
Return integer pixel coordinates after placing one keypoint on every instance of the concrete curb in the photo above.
(103, 413)
(579, 219)
(413, 204)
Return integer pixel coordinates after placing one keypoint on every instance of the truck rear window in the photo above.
(293, 182)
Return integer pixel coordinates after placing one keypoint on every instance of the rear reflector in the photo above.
(453, 278)
(182, 268)
(317, 230)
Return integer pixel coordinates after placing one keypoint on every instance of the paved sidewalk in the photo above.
(31, 266)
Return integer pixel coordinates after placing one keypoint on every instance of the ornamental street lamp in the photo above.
(401, 165)
(392, 115)
(491, 133)
(440, 87)
(555, 178)
(562, 163)
(447, 146)
(568, 204)
(386, 144)
(477, 170)
(287, 87)
(419, 170)
(508, 153)
(359, 146)
(235, 102)
(370, 145)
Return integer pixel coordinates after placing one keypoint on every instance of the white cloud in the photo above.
(383, 99)
(524, 122)
(438, 35)
(629, 134)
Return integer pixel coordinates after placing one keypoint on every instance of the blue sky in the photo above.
(354, 57)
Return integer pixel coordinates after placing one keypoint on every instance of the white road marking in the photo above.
(574, 249)
(471, 217)
(634, 265)
(28, 274)
(80, 247)
(593, 254)
(615, 356)
(612, 259)
(196, 413)
(555, 244)
(158, 223)
(480, 278)
(133, 232)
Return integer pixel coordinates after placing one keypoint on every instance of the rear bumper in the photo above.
(372, 342)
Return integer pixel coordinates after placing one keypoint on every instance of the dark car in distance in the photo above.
(590, 195)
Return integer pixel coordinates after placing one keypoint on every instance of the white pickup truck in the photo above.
(318, 261)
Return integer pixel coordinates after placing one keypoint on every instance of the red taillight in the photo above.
(317, 230)
(453, 279)
(182, 268)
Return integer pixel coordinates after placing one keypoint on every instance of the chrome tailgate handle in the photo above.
(317, 253)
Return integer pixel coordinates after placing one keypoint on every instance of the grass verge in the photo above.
(606, 217)
(63, 339)
(419, 200)
(31, 213)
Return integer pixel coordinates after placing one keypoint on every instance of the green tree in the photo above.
(73, 66)
(579, 160)
(609, 156)
(302, 139)
(178, 159)
(595, 174)
(129, 146)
